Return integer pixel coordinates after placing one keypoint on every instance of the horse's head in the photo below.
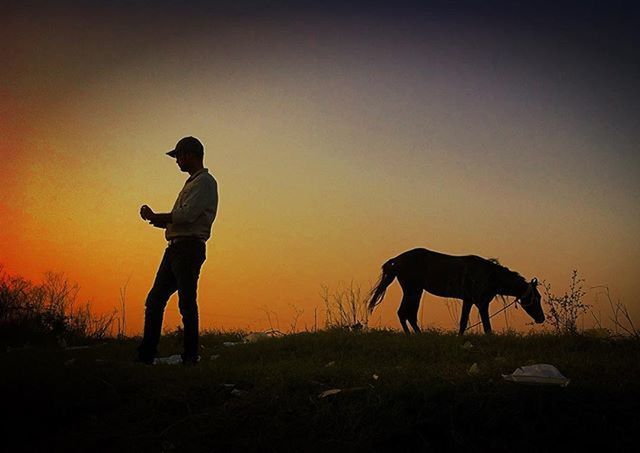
(530, 301)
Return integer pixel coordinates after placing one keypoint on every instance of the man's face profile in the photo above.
(184, 160)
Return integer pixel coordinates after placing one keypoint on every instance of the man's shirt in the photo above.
(195, 209)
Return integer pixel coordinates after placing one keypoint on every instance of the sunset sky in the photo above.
(340, 136)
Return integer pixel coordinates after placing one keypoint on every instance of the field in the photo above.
(398, 392)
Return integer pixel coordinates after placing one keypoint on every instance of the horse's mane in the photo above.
(504, 272)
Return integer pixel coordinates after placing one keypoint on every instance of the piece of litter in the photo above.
(467, 346)
(255, 337)
(540, 374)
(347, 390)
(375, 377)
(474, 370)
(329, 393)
(232, 343)
(330, 364)
(214, 357)
(239, 393)
(171, 360)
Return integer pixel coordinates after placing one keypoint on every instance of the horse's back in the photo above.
(429, 256)
(439, 273)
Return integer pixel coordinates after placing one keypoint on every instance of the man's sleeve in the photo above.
(201, 196)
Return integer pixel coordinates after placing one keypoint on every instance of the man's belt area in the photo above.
(184, 238)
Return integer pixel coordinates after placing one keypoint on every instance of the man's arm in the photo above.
(160, 225)
(157, 220)
(160, 218)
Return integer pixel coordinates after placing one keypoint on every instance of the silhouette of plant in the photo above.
(47, 312)
(122, 318)
(565, 310)
(297, 313)
(345, 307)
(620, 317)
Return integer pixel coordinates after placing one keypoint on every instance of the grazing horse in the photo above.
(473, 279)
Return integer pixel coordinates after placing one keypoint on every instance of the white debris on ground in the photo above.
(171, 360)
(467, 346)
(332, 392)
(254, 337)
(329, 393)
(539, 374)
(474, 370)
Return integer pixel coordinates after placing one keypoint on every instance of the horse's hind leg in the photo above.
(413, 309)
(402, 315)
(409, 307)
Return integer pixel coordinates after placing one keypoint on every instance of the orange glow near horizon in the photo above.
(329, 161)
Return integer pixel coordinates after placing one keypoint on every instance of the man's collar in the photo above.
(193, 176)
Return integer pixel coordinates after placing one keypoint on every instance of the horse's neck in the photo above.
(512, 286)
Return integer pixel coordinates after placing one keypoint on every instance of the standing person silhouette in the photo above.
(187, 228)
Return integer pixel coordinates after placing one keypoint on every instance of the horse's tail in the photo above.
(387, 277)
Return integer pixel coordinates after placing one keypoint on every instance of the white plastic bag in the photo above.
(540, 373)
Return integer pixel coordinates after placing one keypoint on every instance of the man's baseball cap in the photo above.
(188, 144)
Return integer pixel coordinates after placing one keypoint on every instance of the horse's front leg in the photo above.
(464, 316)
(484, 317)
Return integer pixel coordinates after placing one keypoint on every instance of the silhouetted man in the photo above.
(187, 228)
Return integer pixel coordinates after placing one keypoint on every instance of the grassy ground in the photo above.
(265, 396)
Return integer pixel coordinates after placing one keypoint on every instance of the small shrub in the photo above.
(47, 312)
(565, 310)
(345, 307)
(620, 317)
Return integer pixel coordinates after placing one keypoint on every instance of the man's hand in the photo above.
(146, 213)
(162, 225)
(155, 219)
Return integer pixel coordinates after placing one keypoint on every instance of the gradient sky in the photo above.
(340, 136)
